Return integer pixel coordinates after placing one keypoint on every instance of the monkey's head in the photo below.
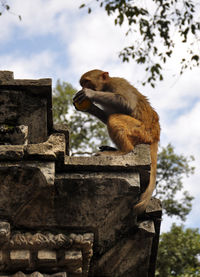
(95, 79)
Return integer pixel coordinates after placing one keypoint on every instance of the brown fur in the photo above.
(130, 119)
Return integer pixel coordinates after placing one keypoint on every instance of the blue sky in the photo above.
(57, 40)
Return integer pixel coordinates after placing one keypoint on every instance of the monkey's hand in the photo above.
(83, 94)
(82, 100)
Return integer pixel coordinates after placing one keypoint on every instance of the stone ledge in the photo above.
(11, 152)
(138, 159)
(7, 79)
(131, 178)
(50, 150)
(26, 82)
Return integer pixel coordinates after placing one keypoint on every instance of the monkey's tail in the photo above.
(146, 195)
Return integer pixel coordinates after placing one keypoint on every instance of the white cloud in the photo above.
(39, 17)
(35, 66)
(186, 129)
(92, 44)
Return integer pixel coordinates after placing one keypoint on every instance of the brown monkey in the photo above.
(129, 117)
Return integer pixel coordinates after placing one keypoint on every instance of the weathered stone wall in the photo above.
(61, 215)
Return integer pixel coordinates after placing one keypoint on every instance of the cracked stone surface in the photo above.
(65, 216)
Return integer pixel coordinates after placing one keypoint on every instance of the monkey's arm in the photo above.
(113, 102)
(100, 114)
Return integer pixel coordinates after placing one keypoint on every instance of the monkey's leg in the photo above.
(126, 131)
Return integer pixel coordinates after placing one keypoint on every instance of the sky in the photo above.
(56, 39)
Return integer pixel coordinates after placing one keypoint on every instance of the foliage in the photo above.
(86, 132)
(171, 169)
(153, 23)
(5, 7)
(179, 252)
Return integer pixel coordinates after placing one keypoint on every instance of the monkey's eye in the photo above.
(87, 84)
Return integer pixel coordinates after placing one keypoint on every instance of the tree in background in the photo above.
(87, 133)
(5, 7)
(170, 171)
(158, 27)
(179, 253)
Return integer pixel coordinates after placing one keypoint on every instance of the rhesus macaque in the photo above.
(129, 117)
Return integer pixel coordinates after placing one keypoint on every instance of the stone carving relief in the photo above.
(45, 251)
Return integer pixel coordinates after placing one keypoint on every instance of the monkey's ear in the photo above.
(105, 76)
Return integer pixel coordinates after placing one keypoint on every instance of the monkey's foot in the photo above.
(107, 148)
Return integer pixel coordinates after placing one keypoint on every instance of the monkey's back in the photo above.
(142, 109)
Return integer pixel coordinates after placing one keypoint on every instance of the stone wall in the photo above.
(67, 216)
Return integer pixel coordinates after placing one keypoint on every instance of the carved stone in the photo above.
(65, 216)
(53, 148)
(44, 250)
(37, 274)
(26, 102)
(11, 152)
(14, 135)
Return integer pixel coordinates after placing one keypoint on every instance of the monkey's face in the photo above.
(94, 79)
(87, 83)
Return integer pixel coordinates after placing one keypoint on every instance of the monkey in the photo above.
(129, 117)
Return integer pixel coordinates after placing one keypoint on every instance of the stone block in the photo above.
(6, 76)
(36, 274)
(100, 201)
(19, 274)
(52, 149)
(11, 152)
(26, 102)
(129, 257)
(4, 232)
(20, 257)
(46, 256)
(59, 274)
(147, 227)
(154, 208)
(17, 135)
(1, 257)
(28, 186)
(63, 129)
(74, 261)
(73, 256)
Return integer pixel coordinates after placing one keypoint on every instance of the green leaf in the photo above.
(82, 6)
(152, 27)
(195, 57)
(178, 253)
(193, 27)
